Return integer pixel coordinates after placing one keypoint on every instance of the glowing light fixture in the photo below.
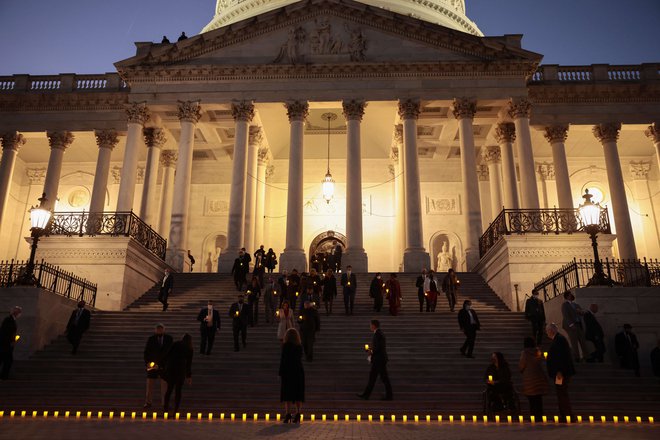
(328, 183)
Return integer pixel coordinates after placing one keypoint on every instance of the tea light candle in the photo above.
(366, 346)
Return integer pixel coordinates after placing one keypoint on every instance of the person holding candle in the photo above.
(314, 280)
(178, 369)
(469, 323)
(239, 271)
(270, 260)
(272, 294)
(308, 296)
(253, 294)
(430, 292)
(77, 325)
(349, 283)
(239, 312)
(155, 351)
(283, 281)
(420, 290)
(378, 359)
(329, 283)
(560, 367)
(309, 325)
(259, 264)
(293, 288)
(450, 285)
(285, 317)
(535, 314)
(499, 388)
(393, 294)
(534, 379)
(292, 374)
(209, 324)
(376, 292)
(8, 339)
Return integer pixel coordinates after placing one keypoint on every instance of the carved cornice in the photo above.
(505, 132)
(620, 92)
(640, 170)
(653, 132)
(255, 136)
(608, 132)
(464, 108)
(492, 154)
(71, 101)
(546, 170)
(59, 139)
(519, 108)
(36, 175)
(154, 137)
(168, 158)
(297, 110)
(189, 111)
(12, 140)
(482, 172)
(137, 113)
(556, 134)
(106, 139)
(353, 109)
(409, 109)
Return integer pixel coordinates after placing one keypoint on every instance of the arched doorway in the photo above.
(446, 252)
(212, 247)
(322, 246)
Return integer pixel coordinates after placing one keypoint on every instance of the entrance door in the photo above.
(321, 248)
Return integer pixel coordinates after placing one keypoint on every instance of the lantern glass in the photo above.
(39, 218)
(328, 187)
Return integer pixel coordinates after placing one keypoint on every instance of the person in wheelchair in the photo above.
(499, 394)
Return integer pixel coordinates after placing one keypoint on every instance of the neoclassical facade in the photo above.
(218, 141)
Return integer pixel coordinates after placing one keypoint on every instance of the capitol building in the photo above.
(392, 127)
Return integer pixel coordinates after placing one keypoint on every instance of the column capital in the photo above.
(59, 140)
(106, 139)
(505, 132)
(546, 170)
(12, 140)
(353, 109)
(492, 154)
(168, 158)
(154, 137)
(189, 111)
(297, 110)
(262, 157)
(555, 134)
(270, 172)
(137, 113)
(608, 132)
(394, 154)
(409, 109)
(255, 136)
(653, 132)
(640, 170)
(36, 175)
(464, 108)
(482, 172)
(397, 136)
(519, 108)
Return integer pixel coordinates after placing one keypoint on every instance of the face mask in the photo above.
(378, 277)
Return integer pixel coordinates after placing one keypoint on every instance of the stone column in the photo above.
(653, 132)
(106, 141)
(293, 256)
(397, 158)
(493, 158)
(154, 139)
(11, 143)
(519, 111)
(556, 136)
(505, 134)
(243, 112)
(262, 164)
(168, 162)
(189, 113)
(255, 137)
(649, 242)
(355, 254)
(546, 172)
(464, 110)
(415, 257)
(608, 134)
(59, 141)
(138, 114)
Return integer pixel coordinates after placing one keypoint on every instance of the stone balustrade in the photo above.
(596, 73)
(66, 82)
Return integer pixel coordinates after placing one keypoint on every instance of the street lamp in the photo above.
(590, 215)
(39, 218)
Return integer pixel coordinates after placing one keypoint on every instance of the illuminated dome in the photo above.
(448, 13)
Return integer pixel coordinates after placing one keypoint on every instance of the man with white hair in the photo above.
(560, 367)
(8, 339)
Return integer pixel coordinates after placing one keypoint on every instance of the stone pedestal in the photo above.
(292, 259)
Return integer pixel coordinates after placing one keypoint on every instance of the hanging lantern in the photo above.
(328, 183)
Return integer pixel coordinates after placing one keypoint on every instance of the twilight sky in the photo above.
(88, 36)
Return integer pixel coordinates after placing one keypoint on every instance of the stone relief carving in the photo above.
(449, 204)
(292, 50)
(215, 207)
(640, 170)
(116, 175)
(60, 139)
(653, 132)
(270, 171)
(482, 172)
(36, 175)
(546, 170)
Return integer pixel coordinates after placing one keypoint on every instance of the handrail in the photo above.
(127, 224)
(51, 278)
(540, 221)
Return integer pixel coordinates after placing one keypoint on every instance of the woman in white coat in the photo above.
(286, 320)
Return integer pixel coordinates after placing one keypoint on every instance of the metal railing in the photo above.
(536, 221)
(626, 273)
(126, 224)
(51, 278)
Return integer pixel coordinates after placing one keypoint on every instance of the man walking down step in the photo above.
(239, 314)
(469, 323)
(349, 283)
(378, 359)
(560, 367)
(77, 325)
(166, 288)
(535, 314)
(310, 323)
(8, 339)
(420, 289)
(209, 320)
(155, 352)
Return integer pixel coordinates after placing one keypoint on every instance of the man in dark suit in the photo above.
(77, 325)
(571, 313)
(626, 346)
(239, 270)
(594, 333)
(192, 260)
(166, 286)
(155, 353)
(469, 323)
(209, 324)
(310, 323)
(335, 256)
(560, 367)
(349, 283)
(535, 314)
(420, 289)
(239, 314)
(378, 359)
(8, 339)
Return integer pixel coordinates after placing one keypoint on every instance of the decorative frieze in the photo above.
(439, 205)
(353, 109)
(492, 154)
(12, 140)
(505, 132)
(546, 170)
(608, 132)
(653, 132)
(154, 137)
(464, 108)
(215, 207)
(36, 175)
(106, 138)
(189, 111)
(116, 175)
(519, 108)
(409, 109)
(59, 139)
(137, 113)
(640, 170)
(297, 110)
(556, 134)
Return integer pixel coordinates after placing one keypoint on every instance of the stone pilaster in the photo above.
(399, 192)
(59, 141)
(653, 133)
(492, 155)
(505, 134)
(262, 166)
(255, 139)
(137, 115)
(154, 139)
(556, 135)
(168, 162)
(106, 140)
(11, 143)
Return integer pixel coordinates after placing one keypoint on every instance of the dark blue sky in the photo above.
(87, 36)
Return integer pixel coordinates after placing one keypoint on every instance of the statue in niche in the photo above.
(445, 260)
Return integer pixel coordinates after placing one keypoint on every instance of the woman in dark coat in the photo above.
(292, 390)
(498, 382)
(271, 260)
(178, 363)
(535, 381)
(376, 291)
(329, 283)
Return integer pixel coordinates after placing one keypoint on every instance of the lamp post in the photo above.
(39, 218)
(590, 215)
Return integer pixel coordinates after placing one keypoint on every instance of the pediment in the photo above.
(322, 32)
